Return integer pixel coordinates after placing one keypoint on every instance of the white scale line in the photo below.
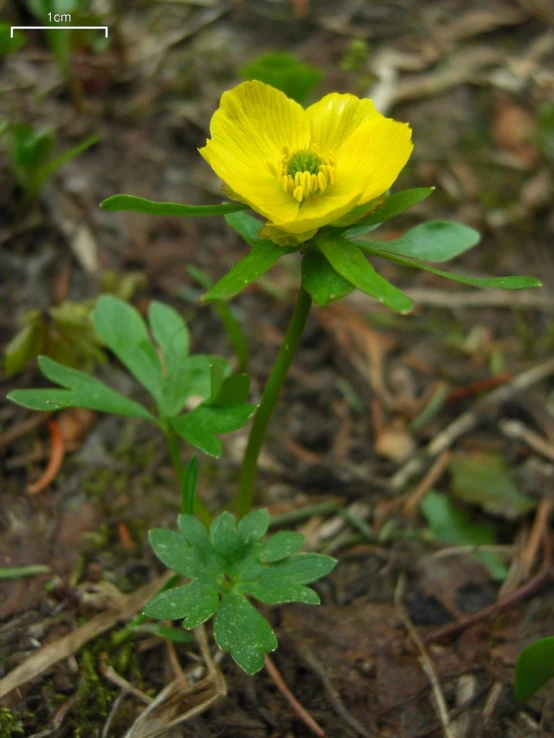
(57, 28)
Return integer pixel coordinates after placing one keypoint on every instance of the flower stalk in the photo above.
(269, 399)
(172, 439)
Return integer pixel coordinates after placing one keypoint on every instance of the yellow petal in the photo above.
(250, 184)
(376, 153)
(335, 117)
(256, 121)
(321, 210)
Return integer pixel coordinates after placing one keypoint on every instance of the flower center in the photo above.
(303, 161)
(305, 172)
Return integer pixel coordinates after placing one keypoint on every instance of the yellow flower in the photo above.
(303, 169)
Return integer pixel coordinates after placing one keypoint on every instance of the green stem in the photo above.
(200, 510)
(269, 400)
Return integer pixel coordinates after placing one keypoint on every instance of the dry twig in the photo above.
(424, 660)
(50, 654)
(468, 420)
(301, 711)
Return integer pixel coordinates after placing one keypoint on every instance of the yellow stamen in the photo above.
(305, 173)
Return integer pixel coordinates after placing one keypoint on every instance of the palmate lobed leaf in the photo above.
(226, 565)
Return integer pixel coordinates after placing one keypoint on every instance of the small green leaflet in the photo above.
(201, 426)
(263, 255)
(243, 632)
(501, 283)
(394, 205)
(349, 262)
(81, 390)
(452, 524)
(141, 205)
(122, 329)
(435, 241)
(227, 564)
(534, 668)
(321, 281)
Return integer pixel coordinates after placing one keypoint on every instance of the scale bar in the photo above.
(58, 28)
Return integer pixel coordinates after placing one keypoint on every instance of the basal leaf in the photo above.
(141, 205)
(347, 259)
(194, 603)
(243, 632)
(282, 544)
(121, 327)
(534, 668)
(321, 281)
(394, 205)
